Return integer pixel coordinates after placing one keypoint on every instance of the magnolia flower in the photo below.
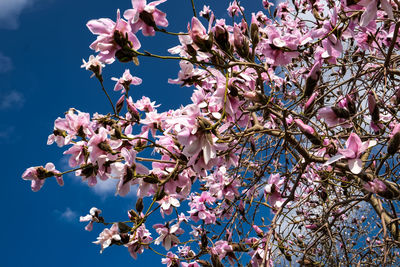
(107, 236)
(167, 234)
(93, 64)
(145, 16)
(38, 175)
(91, 217)
(126, 80)
(107, 43)
(171, 259)
(334, 116)
(168, 203)
(234, 8)
(126, 172)
(139, 241)
(376, 186)
(272, 191)
(352, 152)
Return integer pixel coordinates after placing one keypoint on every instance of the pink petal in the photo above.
(354, 143)
(348, 153)
(100, 26)
(369, 14)
(385, 4)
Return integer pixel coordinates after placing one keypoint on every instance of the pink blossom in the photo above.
(331, 117)
(99, 144)
(145, 104)
(199, 210)
(304, 127)
(221, 185)
(234, 8)
(168, 203)
(171, 259)
(333, 44)
(77, 152)
(65, 129)
(145, 16)
(106, 237)
(370, 13)
(37, 176)
(94, 64)
(187, 75)
(199, 35)
(354, 148)
(311, 226)
(93, 216)
(138, 241)
(271, 191)
(125, 81)
(310, 101)
(221, 248)
(168, 234)
(205, 13)
(107, 30)
(258, 230)
(127, 171)
(376, 186)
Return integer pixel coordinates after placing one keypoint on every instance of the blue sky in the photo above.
(41, 50)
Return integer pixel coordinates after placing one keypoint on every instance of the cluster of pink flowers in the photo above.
(241, 87)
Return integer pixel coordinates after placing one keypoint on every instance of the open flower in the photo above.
(93, 216)
(106, 237)
(110, 38)
(125, 81)
(146, 16)
(354, 148)
(38, 175)
(272, 191)
(168, 235)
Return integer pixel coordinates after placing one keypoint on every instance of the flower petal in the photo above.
(355, 165)
(334, 159)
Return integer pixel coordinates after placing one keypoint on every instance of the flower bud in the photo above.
(310, 103)
(373, 107)
(199, 36)
(240, 42)
(259, 232)
(394, 144)
(254, 34)
(139, 205)
(341, 112)
(221, 36)
(351, 105)
(254, 31)
(120, 104)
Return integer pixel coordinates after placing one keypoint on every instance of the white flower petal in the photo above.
(372, 143)
(334, 159)
(355, 165)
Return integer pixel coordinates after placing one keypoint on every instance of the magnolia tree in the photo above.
(287, 153)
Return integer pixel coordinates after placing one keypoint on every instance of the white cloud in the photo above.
(5, 62)
(68, 215)
(6, 133)
(11, 99)
(103, 188)
(109, 187)
(10, 10)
